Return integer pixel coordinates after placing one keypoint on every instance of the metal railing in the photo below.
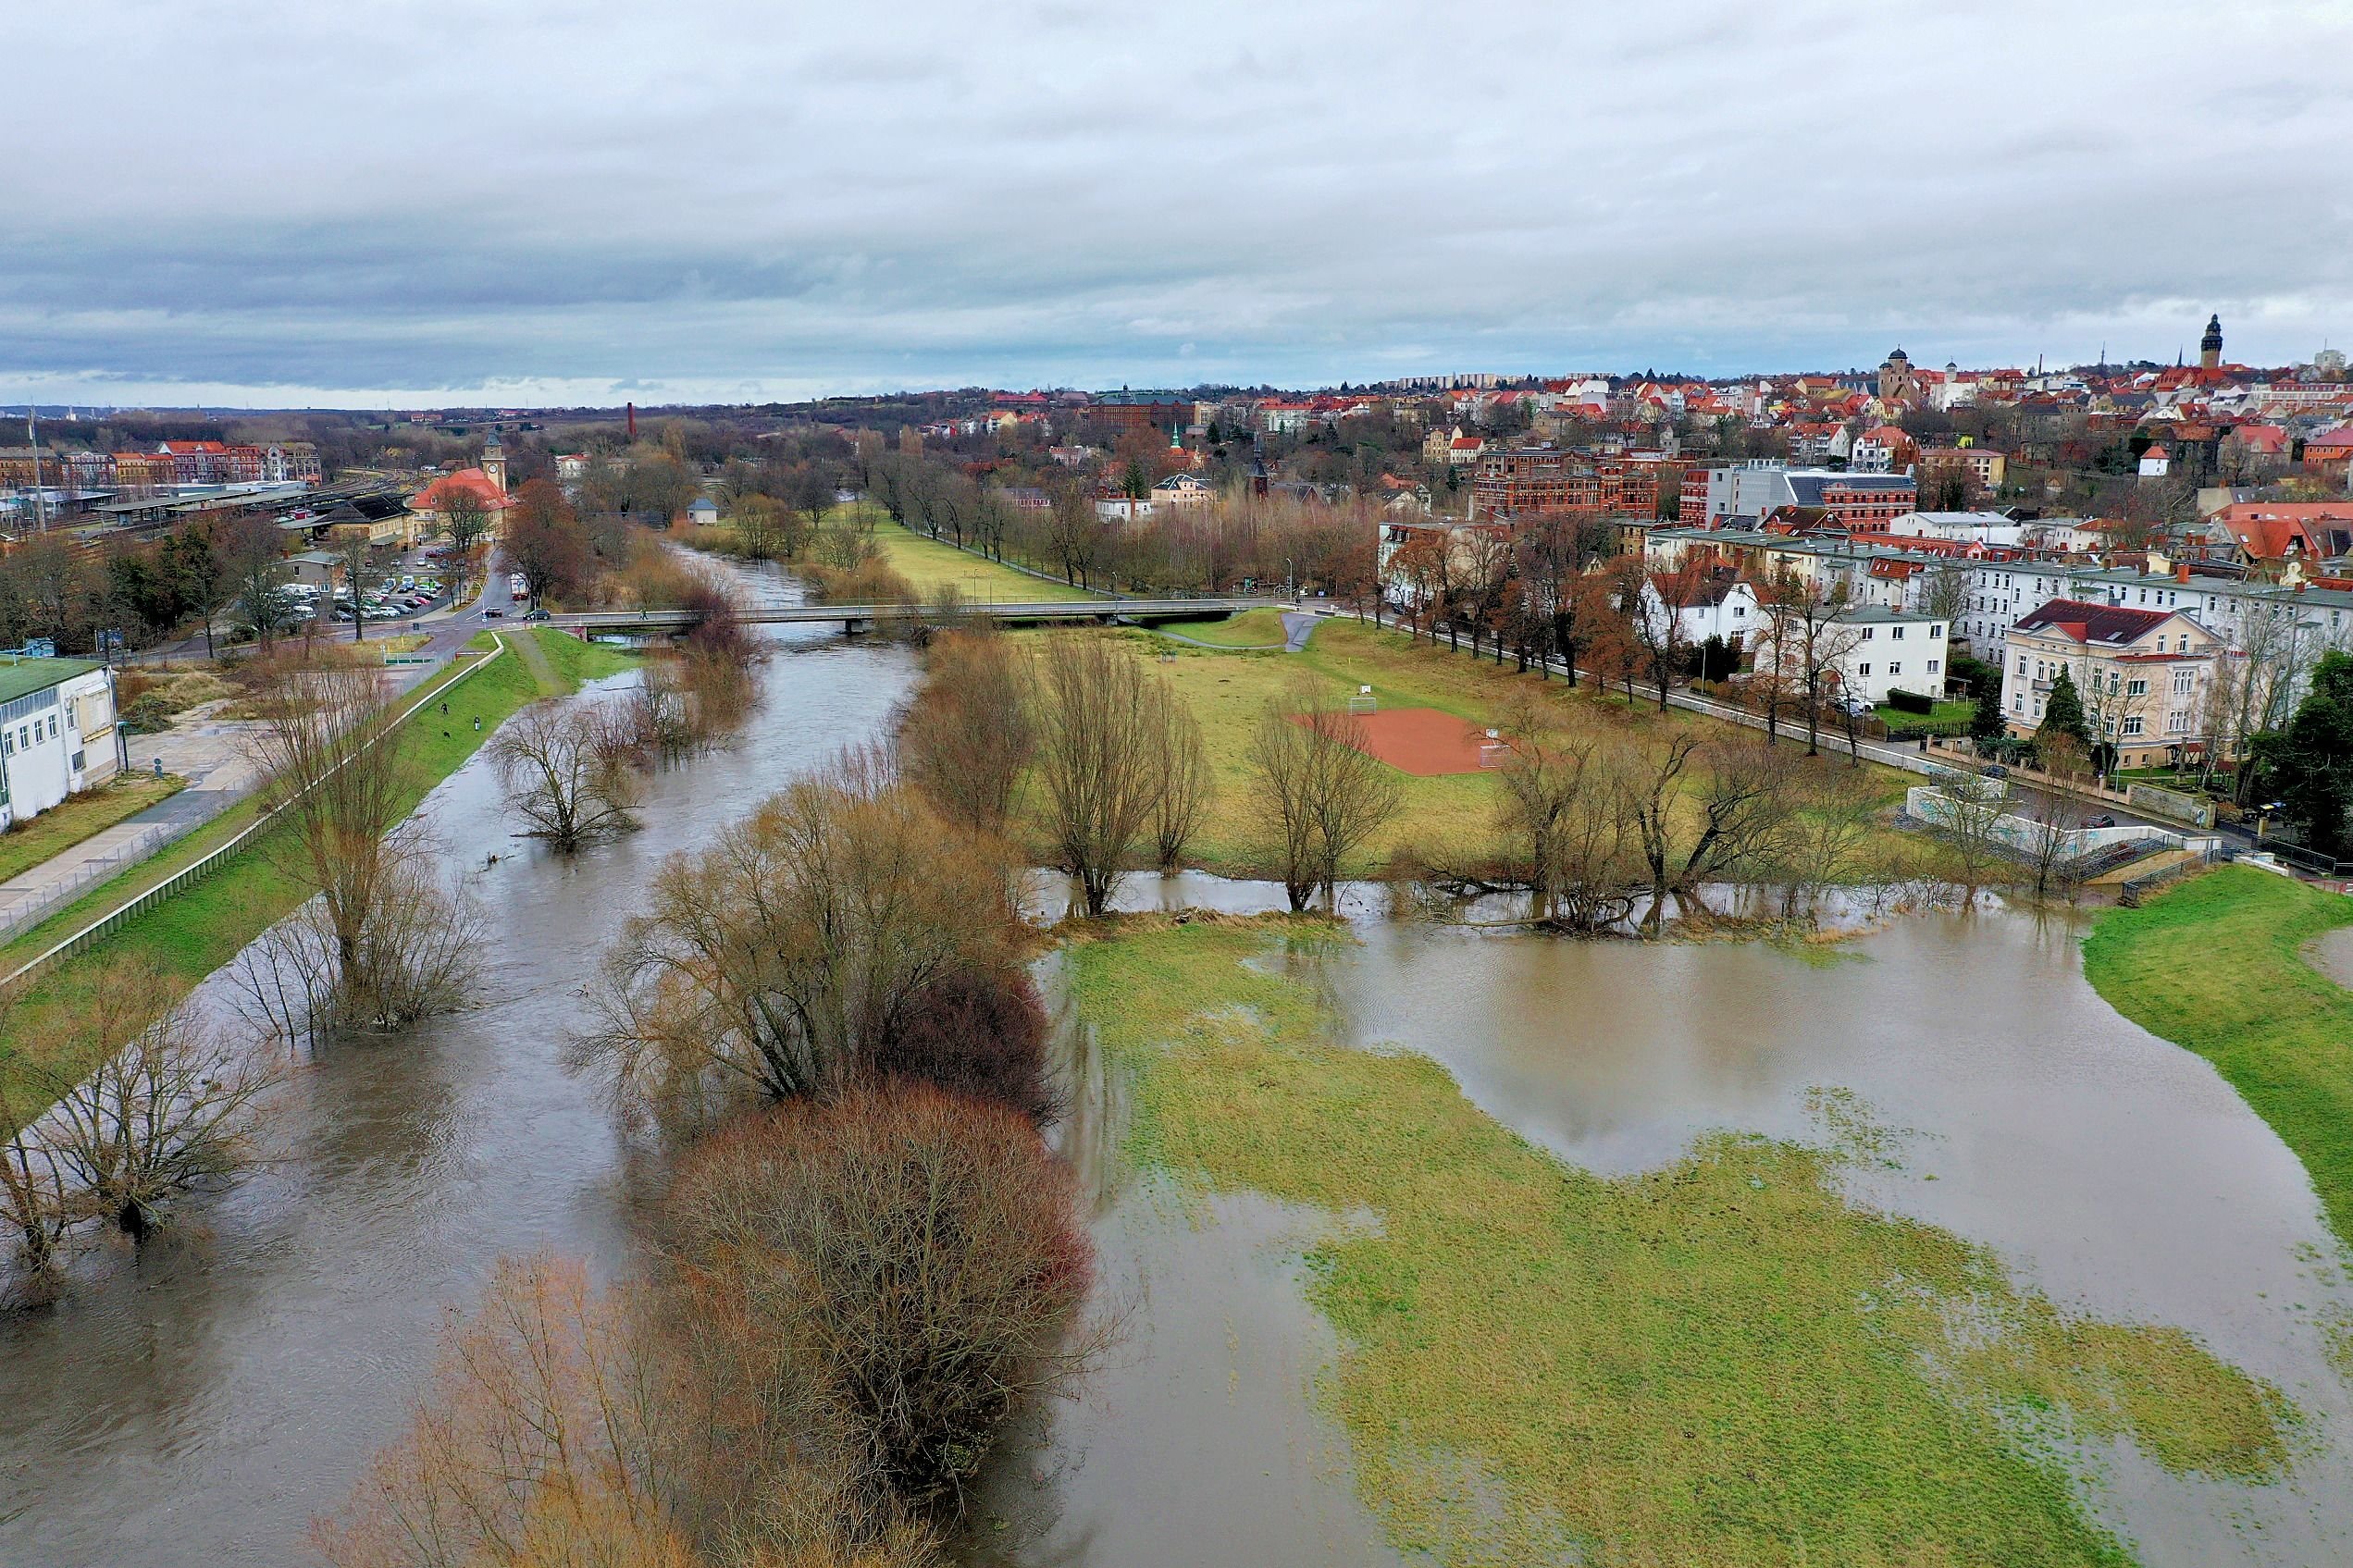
(197, 870)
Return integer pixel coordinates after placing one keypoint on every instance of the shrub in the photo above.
(980, 1033)
(1904, 701)
(877, 1283)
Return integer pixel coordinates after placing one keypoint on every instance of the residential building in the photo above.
(1982, 466)
(56, 733)
(1525, 480)
(2142, 676)
(1181, 492)
(1762, 488)
(1714, 604)
(1866, 651)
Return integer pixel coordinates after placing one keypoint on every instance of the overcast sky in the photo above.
(373, 202)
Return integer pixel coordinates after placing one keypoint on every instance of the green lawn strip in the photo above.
(1251, 629)
(2216, 965)
(1722, 1362)
(930, 563)
(192, 935)
(577, 663)
(79, 816)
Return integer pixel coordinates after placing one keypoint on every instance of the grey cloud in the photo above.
(711, 197)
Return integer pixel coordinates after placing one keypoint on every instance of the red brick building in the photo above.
(1537, 479)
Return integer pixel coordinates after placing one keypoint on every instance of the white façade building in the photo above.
(56, 733)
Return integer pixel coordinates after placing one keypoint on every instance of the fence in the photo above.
(97, 869)
(1936, 808)
(190, 875)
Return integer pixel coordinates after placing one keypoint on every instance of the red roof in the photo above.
(2111, 625)
(472, 479)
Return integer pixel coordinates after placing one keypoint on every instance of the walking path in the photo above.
(208, 752)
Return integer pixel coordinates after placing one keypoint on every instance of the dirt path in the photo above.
(526, 647)
(2332, 953)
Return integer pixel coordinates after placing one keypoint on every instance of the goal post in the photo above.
(1364, 702)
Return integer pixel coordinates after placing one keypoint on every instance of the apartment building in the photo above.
(1523, 481)
(1759, 490)
(2143, 676)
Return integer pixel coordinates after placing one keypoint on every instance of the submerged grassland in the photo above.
(2217, 966)
(1722, 1362)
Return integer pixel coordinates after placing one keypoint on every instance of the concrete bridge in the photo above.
(862, 617)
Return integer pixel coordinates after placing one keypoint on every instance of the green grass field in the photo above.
(931, 564)
(194, 933)
(1721, 1361)
(77, 817)
(1230, 691)
(2216, 965)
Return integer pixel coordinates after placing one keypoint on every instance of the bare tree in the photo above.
(465, 519)
(877, 1282)
(1782, 600)
(1561, 807)
(1973, 810)
(1711, 823)
(968, 735)
(784, 959)
(566, 770)
(1096, 759)
(169, 1107)
(1182, 768)
(1325, 795)
(1824, 845)
(388, 939)
(2052, 816)
(362, 561)
(545, 1442)
(1656, 601)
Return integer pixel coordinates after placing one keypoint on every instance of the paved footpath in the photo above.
(208, 752)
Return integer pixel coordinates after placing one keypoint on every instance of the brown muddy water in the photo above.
(202, 1404)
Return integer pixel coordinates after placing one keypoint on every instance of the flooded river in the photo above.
(200, 1404)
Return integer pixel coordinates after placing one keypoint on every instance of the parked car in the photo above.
(1995, 771)
(2102, 820)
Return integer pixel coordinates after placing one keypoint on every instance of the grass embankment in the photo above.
(1450, 814)
(192, 935)
(1253, 629)
(930, 564)
(1718, 1362)
(2217, 965)
(79, 816)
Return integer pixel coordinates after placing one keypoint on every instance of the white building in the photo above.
(1872, 652)
(1720, 606)
(1960, 527)
(56, 733)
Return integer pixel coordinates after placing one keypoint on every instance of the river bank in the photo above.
(205, 1398)
(194, 933)
(2218, 966)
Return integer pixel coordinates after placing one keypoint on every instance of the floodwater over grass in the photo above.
(1702, 1253)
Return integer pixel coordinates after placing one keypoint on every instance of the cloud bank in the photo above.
(399, 203)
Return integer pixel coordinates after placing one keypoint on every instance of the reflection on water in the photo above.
(199, 1403)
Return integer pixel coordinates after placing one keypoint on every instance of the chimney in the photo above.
(633, 421)
(2181, 572)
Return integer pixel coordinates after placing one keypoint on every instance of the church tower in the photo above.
(2210, 347)
(494, 461)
